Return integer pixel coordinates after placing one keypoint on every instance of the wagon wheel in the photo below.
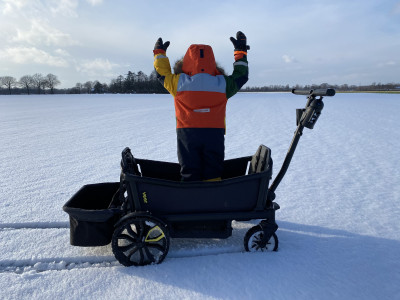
(253, 240)
(140, 241)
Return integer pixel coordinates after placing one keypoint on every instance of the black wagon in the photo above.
(149, 204)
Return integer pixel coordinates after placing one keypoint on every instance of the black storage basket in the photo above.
(91, 219)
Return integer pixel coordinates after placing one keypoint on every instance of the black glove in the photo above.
(240, 43)
(160, 45)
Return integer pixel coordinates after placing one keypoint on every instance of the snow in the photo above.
(339, 231)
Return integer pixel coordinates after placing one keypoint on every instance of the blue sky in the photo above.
(292, 42)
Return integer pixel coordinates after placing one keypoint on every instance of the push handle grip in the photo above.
(317, 92)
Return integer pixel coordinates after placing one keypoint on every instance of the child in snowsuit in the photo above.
(201, 93)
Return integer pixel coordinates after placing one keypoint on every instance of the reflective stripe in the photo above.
(159, 56)
(240, 63)
(202, 82)
(202, 110)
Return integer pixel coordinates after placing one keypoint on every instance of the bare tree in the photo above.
(38, 81)
(88, 85)
(26, 82)
(51, 82)
(44, 84)
(9, 82)
(79, 87)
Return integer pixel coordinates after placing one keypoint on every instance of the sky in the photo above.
(292, 42)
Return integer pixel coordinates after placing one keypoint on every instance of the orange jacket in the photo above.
(200, 92)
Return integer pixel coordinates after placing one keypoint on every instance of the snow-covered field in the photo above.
(339, 235)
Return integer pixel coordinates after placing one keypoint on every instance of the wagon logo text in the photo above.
(144, 197)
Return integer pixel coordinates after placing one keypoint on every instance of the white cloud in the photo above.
(387, 64)
(29, 8)
(9, 6)
(96, 66)
(62, 52)
(288, 59)
(66, 8)
(41, 33)
(95, 2)
(25, 55)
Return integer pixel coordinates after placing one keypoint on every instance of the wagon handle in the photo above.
(306, 117)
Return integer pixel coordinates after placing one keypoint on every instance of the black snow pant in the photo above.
(201, 153)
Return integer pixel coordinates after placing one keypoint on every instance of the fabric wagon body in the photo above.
(190, 209)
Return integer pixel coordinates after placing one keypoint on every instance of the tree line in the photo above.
(131, 83)
(339, 88)
(141, 83)
(37, 82)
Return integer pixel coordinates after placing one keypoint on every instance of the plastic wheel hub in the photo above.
(140, 241)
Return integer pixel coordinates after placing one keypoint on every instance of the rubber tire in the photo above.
(135, 239)
(257, 230)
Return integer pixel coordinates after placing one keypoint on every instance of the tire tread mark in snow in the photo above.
(34, 225)
(24, 266)
(56, 265)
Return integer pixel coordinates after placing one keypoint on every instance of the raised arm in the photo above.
(240, 73)
(163, 67)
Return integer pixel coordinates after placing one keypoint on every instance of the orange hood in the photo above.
(199, 59)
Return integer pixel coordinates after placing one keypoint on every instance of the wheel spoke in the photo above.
(131, 232)
(149, 255)
(133, 252)
(126, 247)
(126, 237)
(141, 256)
(141, 229)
